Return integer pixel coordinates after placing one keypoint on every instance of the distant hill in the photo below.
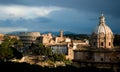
(77, 36)
(56, 33)
(13, 33)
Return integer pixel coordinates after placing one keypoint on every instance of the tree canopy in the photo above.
(8, 49)
(116, 40)
(77, 36)
(40, 49)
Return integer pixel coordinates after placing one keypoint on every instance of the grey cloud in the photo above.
(108, 6)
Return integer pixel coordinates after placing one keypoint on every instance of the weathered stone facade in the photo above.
(28, 37)
(97, 55)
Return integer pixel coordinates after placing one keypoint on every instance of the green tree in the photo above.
(8, 50)
(44, 50)
(40, 49)
(77, 36)
(16, 53)
(58, 57)
(11, 42)
(116, 40)
(6, 54)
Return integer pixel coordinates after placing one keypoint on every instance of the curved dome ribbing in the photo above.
(102, 27)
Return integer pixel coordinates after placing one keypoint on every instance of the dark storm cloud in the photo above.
(107, 6)
(83, 17)
(22, 22)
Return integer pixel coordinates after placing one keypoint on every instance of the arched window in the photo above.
(101, 43)
(94, 43)
(101, 59)
(109, 43)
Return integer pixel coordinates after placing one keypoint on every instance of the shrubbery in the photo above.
(8, 50)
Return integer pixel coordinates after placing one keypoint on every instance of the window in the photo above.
(101, 59)
(109, 44)
(117, 57)
(94, 43)
(101, 43)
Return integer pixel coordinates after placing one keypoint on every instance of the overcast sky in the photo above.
(78, 16)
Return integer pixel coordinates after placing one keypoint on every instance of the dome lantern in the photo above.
(102, 19)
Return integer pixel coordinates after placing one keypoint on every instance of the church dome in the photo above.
(102, 27)
(102, 36)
